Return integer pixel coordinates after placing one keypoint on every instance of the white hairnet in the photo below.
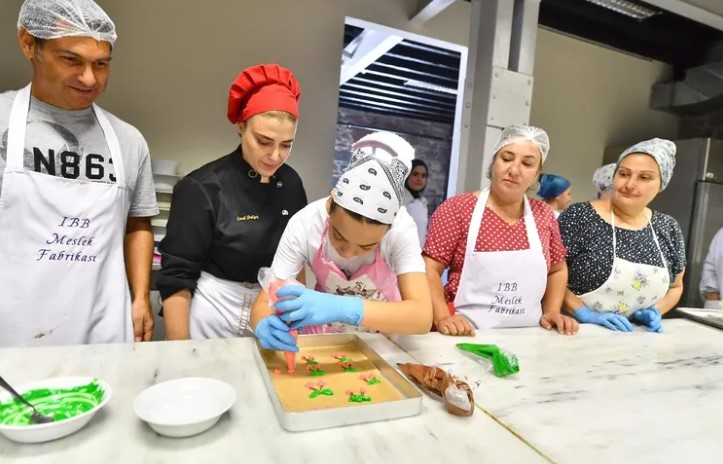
(523, 133)
(53, 19)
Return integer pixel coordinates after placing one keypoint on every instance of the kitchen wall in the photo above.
(588, 97)
(173, 64)
(709, 124)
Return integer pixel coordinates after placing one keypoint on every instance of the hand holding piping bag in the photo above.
(272, 284)
(289, 356)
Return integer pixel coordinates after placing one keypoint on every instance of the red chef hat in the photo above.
(261, 88)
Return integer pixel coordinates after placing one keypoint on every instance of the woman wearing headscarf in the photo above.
(227, 217)
(363, 250)
(504, 254)
(556, 191)
(602, 179)
(626, 261)
(414, 201)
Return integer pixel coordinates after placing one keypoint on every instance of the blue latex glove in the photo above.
(273, 334)
(306, 307)
(649, 317)
(612, 321)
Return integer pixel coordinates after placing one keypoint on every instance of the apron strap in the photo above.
(16, 128)
(532, 236)
(16, 134)
(612, 223)
(475, 224)
(652, 229)
(655, 239)
(111, 140)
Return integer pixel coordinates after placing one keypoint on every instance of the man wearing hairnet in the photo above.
(76, 191)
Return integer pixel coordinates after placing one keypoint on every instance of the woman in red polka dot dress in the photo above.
(504, 253)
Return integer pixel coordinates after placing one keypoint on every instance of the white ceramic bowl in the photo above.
(38, 433)
(164, 167)
(184, 407)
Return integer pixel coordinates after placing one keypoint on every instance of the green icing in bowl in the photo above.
(59, 403)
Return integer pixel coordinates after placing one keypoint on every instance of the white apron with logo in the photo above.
(502, 288)
(62, 267)
(221, 308)
(630, 286)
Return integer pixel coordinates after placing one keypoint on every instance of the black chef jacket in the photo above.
(224, 221)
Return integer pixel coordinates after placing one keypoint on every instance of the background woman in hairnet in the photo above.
(626, 261)
(505, 257)
(602, 179)
(556, 191)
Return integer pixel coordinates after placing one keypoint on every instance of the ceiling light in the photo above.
(428, 86)
(627, 8)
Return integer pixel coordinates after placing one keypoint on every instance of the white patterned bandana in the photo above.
(373, 183)
(662, 151)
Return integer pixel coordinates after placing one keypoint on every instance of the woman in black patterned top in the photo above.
(626, 261)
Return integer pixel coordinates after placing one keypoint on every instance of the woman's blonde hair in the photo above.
(282, 116)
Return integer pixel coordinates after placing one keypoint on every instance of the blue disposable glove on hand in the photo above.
(301, 307)
(649, 317)
(273, 334)
(612, 321)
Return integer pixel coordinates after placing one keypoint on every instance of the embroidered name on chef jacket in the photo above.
(248, 217)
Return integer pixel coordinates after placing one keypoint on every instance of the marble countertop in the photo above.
(250, 432)
(704, 316)
(600, 396)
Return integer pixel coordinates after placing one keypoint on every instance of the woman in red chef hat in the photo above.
(227, 217)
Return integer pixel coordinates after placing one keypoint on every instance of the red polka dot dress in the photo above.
(449, 226)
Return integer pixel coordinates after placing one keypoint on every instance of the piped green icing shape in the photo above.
(59, 403)
(316, 373)
(359, 398)
(373, 381)
(344, 359)
(323, 391)
(349, 369)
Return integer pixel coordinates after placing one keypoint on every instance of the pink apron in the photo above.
(376, 281)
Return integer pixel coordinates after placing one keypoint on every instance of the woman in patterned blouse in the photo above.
(626, 261)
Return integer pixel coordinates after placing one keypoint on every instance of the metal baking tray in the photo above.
(704, 316)
(411, 405)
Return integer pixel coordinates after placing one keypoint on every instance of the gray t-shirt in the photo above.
(71, 144)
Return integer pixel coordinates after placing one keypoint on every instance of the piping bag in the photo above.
(455, 394)
(503, 362)
(271, 284)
